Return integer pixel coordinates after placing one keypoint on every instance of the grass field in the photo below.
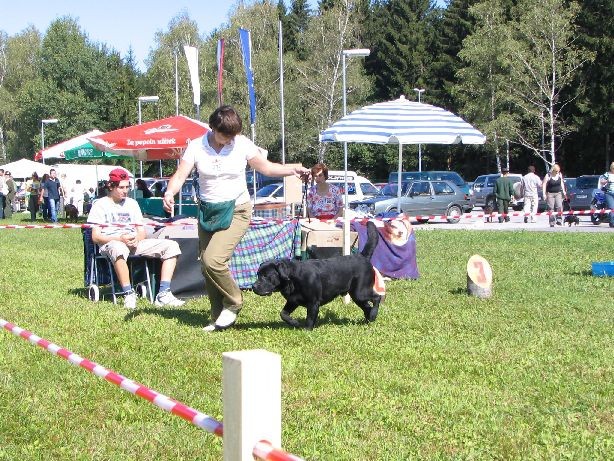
(527, 374)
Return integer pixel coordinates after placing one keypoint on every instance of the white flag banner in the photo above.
(191, 54)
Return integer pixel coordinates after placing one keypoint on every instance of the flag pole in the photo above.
(281, 94)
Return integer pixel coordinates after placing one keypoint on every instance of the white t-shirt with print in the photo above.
(106, 211)
(221, 176)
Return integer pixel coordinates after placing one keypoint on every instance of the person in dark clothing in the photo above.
(3, 192)
(504, 190)
(54, 190)
(553, 189)
(142, 186)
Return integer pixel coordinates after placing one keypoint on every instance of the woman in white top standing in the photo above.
(220, 157)
(606, 181)
(553, 189)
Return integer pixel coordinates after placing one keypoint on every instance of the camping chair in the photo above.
(98, 271)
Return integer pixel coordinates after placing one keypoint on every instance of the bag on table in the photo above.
(215, 216)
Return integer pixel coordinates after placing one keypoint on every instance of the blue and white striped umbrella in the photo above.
(402, 122)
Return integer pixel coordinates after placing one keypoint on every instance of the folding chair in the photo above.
(98, 272)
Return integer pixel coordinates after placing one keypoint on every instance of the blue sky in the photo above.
(119, 24)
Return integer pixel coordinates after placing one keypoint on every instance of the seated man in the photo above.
(118, 242)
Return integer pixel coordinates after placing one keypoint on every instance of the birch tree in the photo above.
(483, 83)
(544, 58)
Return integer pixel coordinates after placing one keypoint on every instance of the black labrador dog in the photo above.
(316, 282)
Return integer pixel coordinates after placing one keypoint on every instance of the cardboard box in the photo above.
(323, 234)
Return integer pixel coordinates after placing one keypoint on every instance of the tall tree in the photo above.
(482, 89)
(19, 64)
(160, 76)
(453, 25)
(399, 36)
(320, 76)
(544, 59)
(594, 110)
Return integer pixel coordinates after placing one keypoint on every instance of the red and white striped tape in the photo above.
(263, 449)
(266, 221)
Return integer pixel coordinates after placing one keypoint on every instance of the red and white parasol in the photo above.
(156, 140)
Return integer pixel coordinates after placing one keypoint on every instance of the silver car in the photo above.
(418, 198)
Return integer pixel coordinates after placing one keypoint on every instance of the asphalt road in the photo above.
(516, 223)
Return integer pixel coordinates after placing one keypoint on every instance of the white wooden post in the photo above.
(252, 401)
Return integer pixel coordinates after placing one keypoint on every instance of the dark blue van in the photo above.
(451, 176)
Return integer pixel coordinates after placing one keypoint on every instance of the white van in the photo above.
(359, 187)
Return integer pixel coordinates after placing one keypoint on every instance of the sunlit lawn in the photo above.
(525, 375)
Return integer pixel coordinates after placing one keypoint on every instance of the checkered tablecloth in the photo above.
(263, 242)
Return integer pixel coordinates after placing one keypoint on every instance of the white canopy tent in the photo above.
(23, 168)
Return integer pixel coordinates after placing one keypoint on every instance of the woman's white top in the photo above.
(221, 176)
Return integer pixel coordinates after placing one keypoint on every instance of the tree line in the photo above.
(535, 76)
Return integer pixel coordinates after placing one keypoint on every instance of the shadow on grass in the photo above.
(586, 273)
(195, 318)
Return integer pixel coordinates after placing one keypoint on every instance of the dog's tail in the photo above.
(372, 239)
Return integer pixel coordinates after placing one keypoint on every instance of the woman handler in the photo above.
(220, 157)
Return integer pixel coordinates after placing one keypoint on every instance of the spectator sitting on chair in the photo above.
(118, 242)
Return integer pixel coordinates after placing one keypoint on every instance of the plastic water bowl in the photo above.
(603, 269)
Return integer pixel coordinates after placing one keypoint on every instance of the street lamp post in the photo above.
(145, 100)
(44, 122)
(419, 91)
(356, 52)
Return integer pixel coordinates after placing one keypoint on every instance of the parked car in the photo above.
(581, 195)
(359, 187)
(432, 198)
(483, 189)
(261, 180)
(452, 176)
(483, 193)
(271, 193)
(158, 186)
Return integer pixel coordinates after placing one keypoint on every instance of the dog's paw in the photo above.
(289, 320)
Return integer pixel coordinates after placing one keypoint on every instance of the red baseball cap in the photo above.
(118, 175)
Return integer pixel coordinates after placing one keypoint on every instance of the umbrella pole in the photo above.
(346, 221)
(399, 178)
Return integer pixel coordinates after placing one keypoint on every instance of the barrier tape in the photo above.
(263, 449)
(494, 214)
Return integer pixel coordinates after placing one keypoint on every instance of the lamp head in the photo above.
(49, 120)
(149, 98)
(357, 52)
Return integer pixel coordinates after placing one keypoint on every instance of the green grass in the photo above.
(527, 374)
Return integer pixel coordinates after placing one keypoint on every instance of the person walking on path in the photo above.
(10, 195)
(504, 191)
(607, 182)
(553, 189)
(531, 184)
(3, 192)
(225, 210)
(123, 235)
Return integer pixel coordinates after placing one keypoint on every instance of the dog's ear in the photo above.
(283, 269)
